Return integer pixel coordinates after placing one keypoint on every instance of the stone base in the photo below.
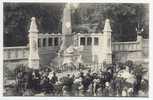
(34, 63)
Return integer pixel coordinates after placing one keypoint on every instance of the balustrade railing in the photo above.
(126, 46)
(14, 53)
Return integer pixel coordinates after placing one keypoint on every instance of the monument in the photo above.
(33, 45)
(66, 29)
(68, 54)
(107, 42)
(71, 49)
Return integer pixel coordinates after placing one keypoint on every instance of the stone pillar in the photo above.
(33, 45)
(66, 28)
(47, 42)
(140, 41)
(66, 24)
(107, 42)
(140, 44)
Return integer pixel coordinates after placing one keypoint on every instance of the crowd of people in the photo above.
(110, 81)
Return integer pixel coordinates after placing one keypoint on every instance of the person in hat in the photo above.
(19, 81)
(54, 78)
(68, 82)
(102, 81)
(107, 89)
(36, 80)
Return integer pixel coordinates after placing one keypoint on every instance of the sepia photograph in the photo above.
(75, 49)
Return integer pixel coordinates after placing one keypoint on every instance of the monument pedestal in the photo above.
(34, 63)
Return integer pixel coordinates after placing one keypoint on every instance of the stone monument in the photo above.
(107, 42)
(33, 45)
(68, 52)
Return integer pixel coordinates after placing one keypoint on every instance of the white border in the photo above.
(1, 48)
(81, 98)
(83, 1)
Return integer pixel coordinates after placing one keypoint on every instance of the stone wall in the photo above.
(145, 47)
(92, 47)
(123, 51)
(48, 46)
(90, 52)
(14, 56)
(16, 53)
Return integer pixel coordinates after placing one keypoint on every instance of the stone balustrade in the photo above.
(126, 46)
(49, 45)
(49, 40)
(16, 53)
(54, 39)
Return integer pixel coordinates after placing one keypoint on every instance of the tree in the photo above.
(88, 17)
(124, 18)
(17, 20)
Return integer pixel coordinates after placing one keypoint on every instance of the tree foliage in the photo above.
(17, 20)
(86, 18)
(124, 19)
